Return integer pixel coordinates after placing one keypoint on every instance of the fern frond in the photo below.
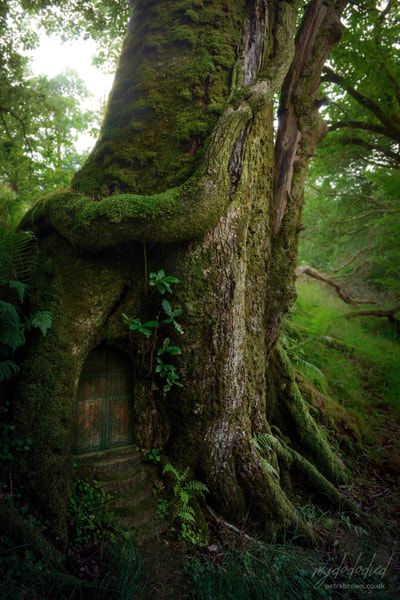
(8, 315)
(196, 488)
(20, 289)
(11, 329)
(169, 468)
(310, 371)
(8, 368)
(184, 496)
(186, 515)
(16, 254)
(265, 442)
(42, 320)
(268, 468)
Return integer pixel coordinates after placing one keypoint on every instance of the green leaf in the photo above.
(162, 281)
(150, 324)
(172, 313)
(168, 348)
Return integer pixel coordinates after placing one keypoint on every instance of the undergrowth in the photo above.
(348, 369)
(358, 356)
(278, 572)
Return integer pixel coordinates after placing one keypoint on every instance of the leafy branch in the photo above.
(165, 370)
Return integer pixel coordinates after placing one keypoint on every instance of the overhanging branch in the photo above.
(392, 129)
(389, 314)
(311, 272)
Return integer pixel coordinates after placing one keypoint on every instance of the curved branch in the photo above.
(388, 314)
(179, 214)
(325, 279)
(393, 130)
(359, 125)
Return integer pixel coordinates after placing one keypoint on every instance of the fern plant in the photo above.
(296, 351)
(185, 491)
(17, 264)
(265, 444)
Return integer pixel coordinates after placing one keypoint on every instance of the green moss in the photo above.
(156, 127)
(295, 419)
(80, 294)
(183, 213)
(182, 34)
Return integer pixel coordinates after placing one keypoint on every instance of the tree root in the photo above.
(290, 461)
(302, 428)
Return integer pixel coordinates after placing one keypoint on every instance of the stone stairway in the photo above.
(122, 472)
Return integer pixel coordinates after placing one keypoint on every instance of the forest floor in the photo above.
(349, 372)
(349, 369)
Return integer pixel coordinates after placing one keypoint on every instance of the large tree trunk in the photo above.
(185, 177)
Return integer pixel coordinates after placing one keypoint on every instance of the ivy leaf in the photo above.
(145, 329)
(168, 348)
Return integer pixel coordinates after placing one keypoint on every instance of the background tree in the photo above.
(352, 211)
(39, 120)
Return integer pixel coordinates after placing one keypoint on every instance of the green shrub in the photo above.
(91, 520)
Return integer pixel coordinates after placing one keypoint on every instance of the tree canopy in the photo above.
(352, 212)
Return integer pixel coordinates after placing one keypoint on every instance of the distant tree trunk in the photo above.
(186, 176)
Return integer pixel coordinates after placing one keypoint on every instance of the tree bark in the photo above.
(185, 172)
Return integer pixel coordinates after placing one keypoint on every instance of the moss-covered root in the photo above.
(247, 493)
(291, 461)
(316, 481)
(302, 428)
(178, 214)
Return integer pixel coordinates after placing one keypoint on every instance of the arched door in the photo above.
(105, 401)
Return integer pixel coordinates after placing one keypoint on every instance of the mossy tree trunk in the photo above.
(187, 176)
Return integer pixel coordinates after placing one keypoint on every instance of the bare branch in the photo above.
(388, 314)
(311, 272)
(307, 270)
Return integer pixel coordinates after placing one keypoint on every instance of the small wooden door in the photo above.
(105, 401)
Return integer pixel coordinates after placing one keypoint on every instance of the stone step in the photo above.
(133, 500)
(145, 528)
(122, 472)
(110, 454)
(124, 484)
(114, 466)
(144, 508)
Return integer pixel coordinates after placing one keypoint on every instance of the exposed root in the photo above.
(302, 428)
(268, 501)
(290, 460)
